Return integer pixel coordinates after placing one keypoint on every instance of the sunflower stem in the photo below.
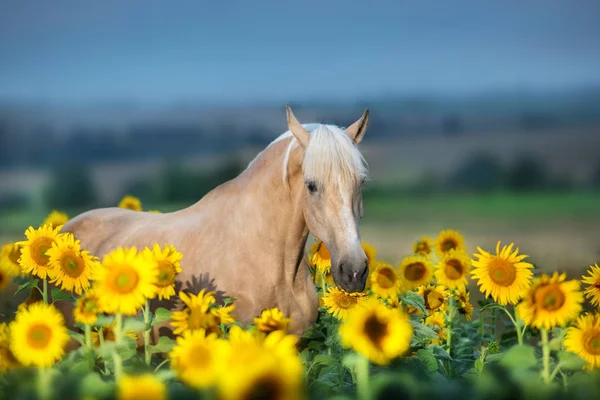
(450, 317)
(147, 355)
(43, 383)
(362, 378)
(88, 345)
(116, 356)
(45, 291)
(546, 356)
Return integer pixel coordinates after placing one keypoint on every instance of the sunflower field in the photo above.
(413, 333)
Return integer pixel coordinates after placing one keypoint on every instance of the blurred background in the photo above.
(485, 116)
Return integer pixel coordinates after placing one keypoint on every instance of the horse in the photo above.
(246, 238)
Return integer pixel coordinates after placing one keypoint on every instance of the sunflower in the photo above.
(319, 258)
(108, 334)
(434, 296)
(339, 302)
(86, 308)
(71, 267)
(377, 332)
(439, 320)
(200, 312)
(38, 335)
(272, 319)
(551, 301)
(464, 304)
(5, 280)
(7, 359)
(130, 203)
(385, 281)
(55, 218)
(141, 387)
(423, 246)
(196, 358)
(415, 271)
(34, 254)
(504, 275)
(9, 258)
(261, 367)
(124, 281)
(583, 339)
(453, 269)
(168, 263)
(592, 292)
(370, 252)
(449, 240)
(154, 211)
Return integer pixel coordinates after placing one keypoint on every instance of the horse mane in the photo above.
(330, 155)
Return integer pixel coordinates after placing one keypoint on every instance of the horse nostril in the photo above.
(364, 271)
(342, 268)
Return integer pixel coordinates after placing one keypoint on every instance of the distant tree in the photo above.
(480, 172)
(70, 186)
(527, 174)
(452, 125)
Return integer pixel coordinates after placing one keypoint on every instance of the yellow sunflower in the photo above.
(261, 367)
(200, 312)
(141, 387)
(71, 267)
(168, 263)
(464, 304)
(415, 271)
(583, 339)
(370, 252)
(434, 296)
(320, 258)
(196, 358)
(272, 319)
(108, 334)
(551, 301)
(38, 335)
(504, 275)
(592, 292)
(124, 281)
(453, 269)
(449, 240)
(423, 246)
(5, 280)
(438, 319)
(377, 332)
(87, 308)
(9, 258)
(7, 359)
(385, 281)
(55, 218)
(130, 203)
(34, 254)
(339, 302)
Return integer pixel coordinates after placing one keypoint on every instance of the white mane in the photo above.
(330, 155)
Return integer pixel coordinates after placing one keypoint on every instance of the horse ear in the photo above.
(296, 128)
(357, 130)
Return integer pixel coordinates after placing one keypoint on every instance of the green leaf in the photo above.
(228, 300)
(106, 350)
(423, 331)
(164, 345)
(93, 386)
(323, 359)
(165, 375)
(80, 367)
(570, 361)
(77, 336)
(415, 300)
(128, 348)
(494, 357)
(519, 357)
(59, 295)
(133, 325)
(161, 315)
(31, 283)
(104, 320)
(428, 359)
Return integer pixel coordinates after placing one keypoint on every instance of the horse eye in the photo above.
(311, 187)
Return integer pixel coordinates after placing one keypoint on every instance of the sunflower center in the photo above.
(271, 324)
(415, 271)
(433, 300)
(423, 248)
(124, 280)
(454, 269)
(199, 357)
(38, 336)
(344, 301)
(108, 334)
(448, 245)
(38, 250)
(199, 319)
(591, 342)
(2, 277)
(73, 265)
(550, 297)
(89, 306)
(386, 278)
(15, 254)
(375, 330)
(266, 387)
(166, 274)
(502, 272)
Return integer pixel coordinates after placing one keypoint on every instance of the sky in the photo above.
(163, 51)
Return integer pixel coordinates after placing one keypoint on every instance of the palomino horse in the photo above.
(246, 238)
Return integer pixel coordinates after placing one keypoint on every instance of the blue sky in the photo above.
(261, 50)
